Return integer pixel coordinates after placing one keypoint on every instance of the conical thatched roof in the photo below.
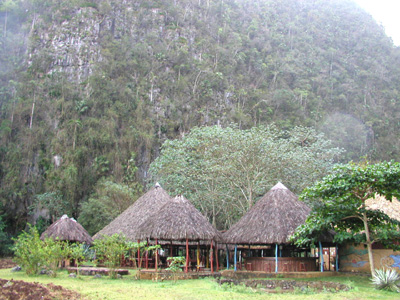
(128, 222)
(178, 220)
(67, 229)
(391, 208)
(271, 220)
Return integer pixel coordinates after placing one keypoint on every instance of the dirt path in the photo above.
(21, 290)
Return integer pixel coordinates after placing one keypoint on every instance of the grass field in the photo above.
(202, 289)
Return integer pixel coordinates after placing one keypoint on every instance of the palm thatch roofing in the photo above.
(390, 208)
(67, 229)
(178, 220)
(271, 220)
(128, 222)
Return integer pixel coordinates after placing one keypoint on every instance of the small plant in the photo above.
(176, 264)
(111, 250)
(28, 251)
(53, 253)
(386, 279)
(77, 253)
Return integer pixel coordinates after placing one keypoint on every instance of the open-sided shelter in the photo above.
(179, 221)
(67, 229)
(270, 223)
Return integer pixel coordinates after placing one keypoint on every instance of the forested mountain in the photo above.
(90, 89)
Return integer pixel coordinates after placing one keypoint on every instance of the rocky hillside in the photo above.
(89, 90)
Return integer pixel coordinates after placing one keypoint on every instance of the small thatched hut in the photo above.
(271, 221)
(67, 229)
(128, 222)
(178, 220)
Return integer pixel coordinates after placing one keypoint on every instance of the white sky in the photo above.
(386, 12)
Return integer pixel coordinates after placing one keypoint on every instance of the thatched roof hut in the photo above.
(271, 220)
(128, 222)
(178, 220)
(67, 229)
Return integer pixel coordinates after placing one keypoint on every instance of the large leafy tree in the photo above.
(223, 171)
(339, 204)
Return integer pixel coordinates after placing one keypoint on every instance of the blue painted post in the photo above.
(321, 256)
(337, 258)
(235, 259)
(276, 258)
(227, 257)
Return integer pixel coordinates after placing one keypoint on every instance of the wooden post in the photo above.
(276, 258)
(198, 256)
(147, 260)
(156, 262)
(170, 249)
(138, 255)
(216, 256)
(187, 255)
(212, 255)
(227, 257)
(337, 258)
(235, 258)
(321, 257)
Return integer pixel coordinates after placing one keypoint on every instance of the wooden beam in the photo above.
(187, 255)
(227, 257)
(216, 256)
(212, 255)
(138, 255)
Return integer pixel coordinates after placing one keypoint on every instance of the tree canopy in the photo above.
(339, 205)
(224, 171)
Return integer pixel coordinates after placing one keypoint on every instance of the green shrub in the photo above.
(110, 250)
(386, 279)
(28, 251)
(33, 254)
(53, 253)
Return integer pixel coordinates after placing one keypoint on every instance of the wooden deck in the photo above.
(96, 270)
(162, 275)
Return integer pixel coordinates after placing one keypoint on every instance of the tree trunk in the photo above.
(369, 244)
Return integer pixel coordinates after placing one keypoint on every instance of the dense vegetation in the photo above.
(89, 90)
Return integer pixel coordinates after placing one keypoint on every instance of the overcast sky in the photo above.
(387, 13)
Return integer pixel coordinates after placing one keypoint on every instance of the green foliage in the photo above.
(28, 251)
(108, 201)
(110, 250)
(339, 205)
(176, 263)
(5, 240)
(386, 279)
(171, 65)
(77, 253)
(33, 254)
(53, 253)
(224, 171)
(53, 202)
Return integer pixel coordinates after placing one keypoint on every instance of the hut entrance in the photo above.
(272, 258)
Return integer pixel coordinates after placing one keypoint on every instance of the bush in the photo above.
(5, 240)
(110, 250)
(33, 255)
(28, 251)
(386, 280)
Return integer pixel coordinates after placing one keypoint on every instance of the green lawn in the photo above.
(129, 288)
